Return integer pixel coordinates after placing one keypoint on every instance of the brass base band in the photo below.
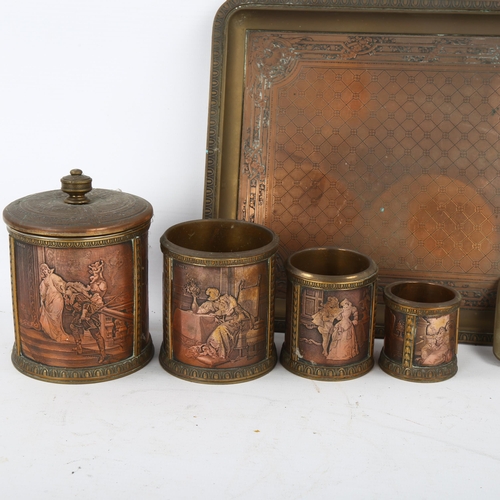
(217, 375)
(328, 373)
(418, 373)
(92, 374)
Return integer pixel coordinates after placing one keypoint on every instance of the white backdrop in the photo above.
(120, 89)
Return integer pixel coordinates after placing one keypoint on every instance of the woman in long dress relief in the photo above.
(343, 343)
(52, 288)
(323, 320)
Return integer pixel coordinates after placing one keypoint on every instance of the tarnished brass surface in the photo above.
(332, 265)
(496, 330)
(89, 375)
(222, 240)
(330, 321)
(428, 296)
(79, 271)
(218, 301)
(98, 212)
(421, 331)
(76, 186)
(369, 125)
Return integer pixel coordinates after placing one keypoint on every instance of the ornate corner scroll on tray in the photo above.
(384, 143)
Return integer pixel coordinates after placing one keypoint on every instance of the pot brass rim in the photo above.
(317, 280)
(425, 374)
(223, 258)
(92, 374)
(63, 241)
(324, 372)
(415, 308)
(217, 375)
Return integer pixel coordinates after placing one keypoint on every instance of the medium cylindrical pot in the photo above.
(331, 299)
(218, 298)
(79, 282)
(421, 331)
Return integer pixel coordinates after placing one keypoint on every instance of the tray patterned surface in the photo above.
(384, 143)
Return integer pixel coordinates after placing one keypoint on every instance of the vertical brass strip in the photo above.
(409, 341)
(496, 325)
(294, 341)
(373, 298)
(15, 309)
(167, 292)
(136, 251)
(270, 298)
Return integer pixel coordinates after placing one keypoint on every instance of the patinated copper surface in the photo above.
(79, 282)
(421, 331)
(218, 301)
(374, 132)
(330, 320)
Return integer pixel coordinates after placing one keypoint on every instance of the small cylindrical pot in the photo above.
(421, 331)
(79, 272)
(331, 300)
(218, 300)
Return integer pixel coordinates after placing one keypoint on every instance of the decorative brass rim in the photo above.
(217, 375)
(177, 245)
(413, 308)
(60, 375)
(78, 242)
(418, 373)
(311, 267)
(326, 373)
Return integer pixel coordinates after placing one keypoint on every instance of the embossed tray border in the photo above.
(221, 173)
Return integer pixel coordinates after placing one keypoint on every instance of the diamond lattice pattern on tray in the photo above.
(386, 145)
(398, 164)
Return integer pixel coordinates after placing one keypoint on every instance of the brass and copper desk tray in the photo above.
(372, 125)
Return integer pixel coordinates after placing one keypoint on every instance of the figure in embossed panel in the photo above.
(85, 306)
(323, 320)
(232, 321)
(435, 345)
(80, 312)
(341, 320)
(52, 288)
(219, 315)
(343, 341)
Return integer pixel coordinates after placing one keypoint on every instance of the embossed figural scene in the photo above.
(218, 298)
(80, 312)
(220, 315)
(342, 320)
(79, 268)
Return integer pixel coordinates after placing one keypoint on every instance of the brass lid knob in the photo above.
(76, 185)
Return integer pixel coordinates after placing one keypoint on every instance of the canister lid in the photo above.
(77, 210)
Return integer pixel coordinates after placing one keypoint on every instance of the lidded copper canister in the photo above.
(79, 282)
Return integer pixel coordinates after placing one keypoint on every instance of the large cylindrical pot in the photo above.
(79, 281)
